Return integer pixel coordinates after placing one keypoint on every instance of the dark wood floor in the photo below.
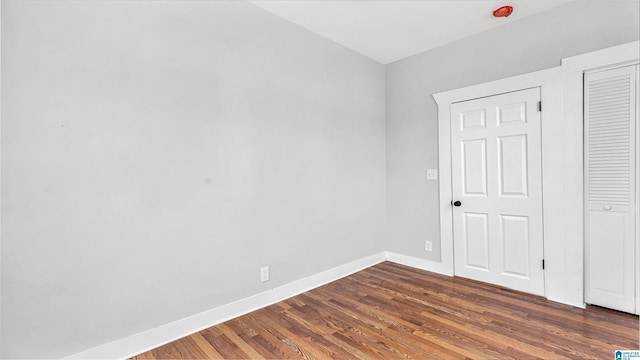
(393, 311)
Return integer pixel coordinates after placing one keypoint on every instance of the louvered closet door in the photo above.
(610, 160)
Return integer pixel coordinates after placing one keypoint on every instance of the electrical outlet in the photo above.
(264, 273)
(428, 246)
(432, 174)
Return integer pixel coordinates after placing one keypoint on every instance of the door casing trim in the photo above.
(549, 82)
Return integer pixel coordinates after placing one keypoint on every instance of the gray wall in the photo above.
(534, 43)
(156, 154)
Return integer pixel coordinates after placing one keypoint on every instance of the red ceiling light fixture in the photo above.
(503, 11)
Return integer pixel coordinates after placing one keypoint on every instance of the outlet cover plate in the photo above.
(264, 273)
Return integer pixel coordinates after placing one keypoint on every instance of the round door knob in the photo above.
(457, 203)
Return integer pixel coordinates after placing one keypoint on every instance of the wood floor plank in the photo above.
(231, 332)
(210, 352)
(391, 311)
(308, 340)
(270, 322)
(267, 341)
(222, 344)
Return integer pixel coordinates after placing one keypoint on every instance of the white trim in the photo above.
(515, 83)
(0, 172)
(560, 301)
(422, 264)
(153, 338)
(573, 69)
(637, 269)
(617, 55)
(548, 81)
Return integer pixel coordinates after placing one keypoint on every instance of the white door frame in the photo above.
(573, 69)
(549, 82)
(562, 165)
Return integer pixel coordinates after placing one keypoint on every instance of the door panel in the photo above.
(471, 120)
(514, 237)
(512, 114)
(606, 270)
(512, 165)
(496, 175)
(475, 167)
(476, 238)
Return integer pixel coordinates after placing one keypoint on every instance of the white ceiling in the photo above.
(389, 30)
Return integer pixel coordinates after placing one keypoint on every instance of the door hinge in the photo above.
(542, 264)
(539, 105)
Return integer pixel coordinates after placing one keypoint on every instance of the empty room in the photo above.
(355, 179)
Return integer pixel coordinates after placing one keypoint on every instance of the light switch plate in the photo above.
(432, 174)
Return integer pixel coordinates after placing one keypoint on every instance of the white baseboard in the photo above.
(418, 263)
(153, 338)
(581, 305)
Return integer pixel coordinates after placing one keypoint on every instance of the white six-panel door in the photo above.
(496, 177)
(610, 160)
